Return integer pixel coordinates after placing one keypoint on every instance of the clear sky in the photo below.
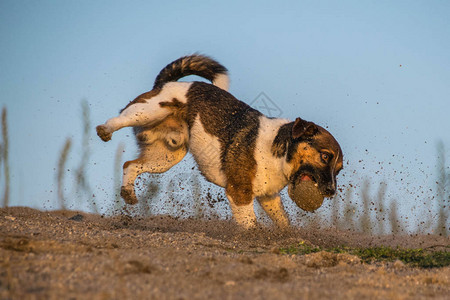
(376, 73)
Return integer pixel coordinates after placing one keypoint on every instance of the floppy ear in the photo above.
(280, 143)
(303, 128)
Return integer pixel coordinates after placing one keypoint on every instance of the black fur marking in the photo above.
(189, 65)
(175, 104)
(284, 143)
(280, 143)
(235, 123)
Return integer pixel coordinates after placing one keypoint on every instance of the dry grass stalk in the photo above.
(118, 202)
(349, 211)
(1, 158)
(335, 211)
(82, 183)
(443, 193)
(4, 155)
(380, 213)
(61, 171)
(151, 193)
(197, 197)
(396, 226)
(364, 221)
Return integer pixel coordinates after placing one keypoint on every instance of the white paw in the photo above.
(244, 215)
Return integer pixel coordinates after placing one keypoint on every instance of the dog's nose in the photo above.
(330, 190)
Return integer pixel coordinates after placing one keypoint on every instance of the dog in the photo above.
(249, 154)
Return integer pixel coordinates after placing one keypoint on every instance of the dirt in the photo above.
(72, 255)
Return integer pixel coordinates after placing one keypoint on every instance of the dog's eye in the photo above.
(325, 157)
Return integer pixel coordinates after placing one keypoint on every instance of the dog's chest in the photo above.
(206, 151)
(270, 177)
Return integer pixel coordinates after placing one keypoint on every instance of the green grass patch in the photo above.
(300, 249)
(413, 257)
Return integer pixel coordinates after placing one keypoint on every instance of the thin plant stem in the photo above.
(61, 171)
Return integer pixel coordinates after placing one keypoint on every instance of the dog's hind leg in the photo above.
(137, 114)
(147, 109)
(273, 207)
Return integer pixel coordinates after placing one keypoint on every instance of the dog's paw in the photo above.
(128, 194)
(103, 133)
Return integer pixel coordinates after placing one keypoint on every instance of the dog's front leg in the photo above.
(244, 215)
(273, 207)
(241, 204)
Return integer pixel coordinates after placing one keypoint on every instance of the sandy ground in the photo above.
(67, 255)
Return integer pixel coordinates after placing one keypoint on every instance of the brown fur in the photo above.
(178, 108)
(236, 126)
(240, 169)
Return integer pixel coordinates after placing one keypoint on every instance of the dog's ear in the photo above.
(303, 128)
(280, 143)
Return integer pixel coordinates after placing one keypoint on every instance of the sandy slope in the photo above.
(56, 255)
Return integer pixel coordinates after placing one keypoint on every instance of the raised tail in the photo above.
(199, 65)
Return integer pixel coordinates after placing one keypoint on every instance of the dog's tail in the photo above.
(199, 65)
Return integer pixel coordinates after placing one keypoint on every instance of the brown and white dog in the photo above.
(250, 155)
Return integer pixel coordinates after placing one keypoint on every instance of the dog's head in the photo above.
(313, 156)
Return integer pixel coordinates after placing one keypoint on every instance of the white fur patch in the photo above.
(222, 81)
(206, 150)
(244, 215)
(141, 114)
(270, 176)
(174, 90)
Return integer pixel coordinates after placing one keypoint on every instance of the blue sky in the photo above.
(377, 73)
